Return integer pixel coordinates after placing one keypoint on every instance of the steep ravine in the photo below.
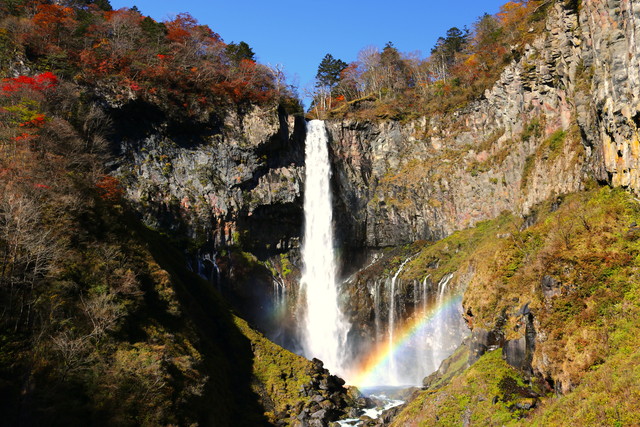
(537, 133)
(561, 119)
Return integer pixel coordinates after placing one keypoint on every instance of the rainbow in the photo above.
(379, 358)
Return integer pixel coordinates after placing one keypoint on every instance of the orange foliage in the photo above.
(51, 17)
(184, 26)
(109, 188)
(462, 66)
(179, 29)
(512, 12)
(126, 15)
(172, 63)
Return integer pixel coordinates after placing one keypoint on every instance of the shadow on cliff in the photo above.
(138, 120)
(228, 399)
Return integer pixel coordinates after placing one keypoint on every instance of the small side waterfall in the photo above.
(325, 328)
(393, 373)
(206, 266)
(416, 326)
(439, 347)
(375, 292)
(279, 295)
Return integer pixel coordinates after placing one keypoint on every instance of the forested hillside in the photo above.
(463, 64)
(179, 66)
(151, 219)
(101, 320)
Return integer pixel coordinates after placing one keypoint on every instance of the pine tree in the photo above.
(238, 52)
(329, 71)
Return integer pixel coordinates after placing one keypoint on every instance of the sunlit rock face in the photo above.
(219, 182)
(610, 42)
(565, 112)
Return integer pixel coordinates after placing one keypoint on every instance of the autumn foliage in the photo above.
(109, 188)
(179, 65)
(38, 83)
(461, 66)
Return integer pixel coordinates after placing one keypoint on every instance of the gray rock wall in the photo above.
(566, 112)
(399, 182)
(611, 50)
(240, 184)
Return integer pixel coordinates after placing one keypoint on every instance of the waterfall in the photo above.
(207, 268)
(417, 333)
(393, 373)
(376, 308)
(424, 292)
(216, 268)
(421, 330)
(325, 328)
(439, 349)
(279, 295)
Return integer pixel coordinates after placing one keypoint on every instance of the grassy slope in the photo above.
(484, 395)
(586, 344)
(608, 395)
(229, 357)
(280, 374)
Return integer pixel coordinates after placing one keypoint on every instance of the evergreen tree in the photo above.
(447, 47)
(444, 52)
(154, 31)
(238, 52)
(329, 71)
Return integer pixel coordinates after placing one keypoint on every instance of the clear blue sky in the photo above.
(297, 34)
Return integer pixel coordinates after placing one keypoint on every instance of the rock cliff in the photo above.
(562, 116)
(220, 183)
(609, 34)
(565, 112)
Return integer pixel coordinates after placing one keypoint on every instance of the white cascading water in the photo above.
(279, 295)
(441, 343)
(325, 328)
(393, 369)
(207, 268)
(437, 314)
(376, 308)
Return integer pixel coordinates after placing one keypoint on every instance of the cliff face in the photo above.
(565, 112)
(610, 34)
(232, 186)
(222, 184)
(561, 117)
